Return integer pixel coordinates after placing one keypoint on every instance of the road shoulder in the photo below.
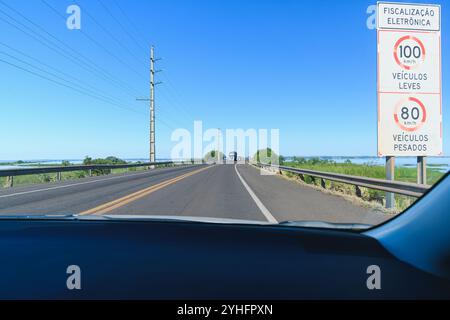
(288, 200)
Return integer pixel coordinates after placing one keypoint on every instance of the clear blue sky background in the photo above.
(305, 67)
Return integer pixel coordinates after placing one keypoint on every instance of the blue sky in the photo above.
(307, 68)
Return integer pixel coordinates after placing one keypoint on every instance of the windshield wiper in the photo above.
(326, 225)
(290, 223)
(176, 218)
(61, 216)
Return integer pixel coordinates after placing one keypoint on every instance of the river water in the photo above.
(440, 163)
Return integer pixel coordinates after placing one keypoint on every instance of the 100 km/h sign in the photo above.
(409, 80)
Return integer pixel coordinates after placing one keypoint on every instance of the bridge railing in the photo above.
(397, 187)
(11, 173)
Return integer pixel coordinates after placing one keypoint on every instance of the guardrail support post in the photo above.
(421, 170)
(323, 183)
(10, 182)
(390, 175)
(358, 191)
(58, 176)
(90, 172)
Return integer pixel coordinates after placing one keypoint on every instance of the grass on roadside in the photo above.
(364, 170)
(72, 175)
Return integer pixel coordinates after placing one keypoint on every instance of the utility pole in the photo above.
(218, 145)
(152, 103)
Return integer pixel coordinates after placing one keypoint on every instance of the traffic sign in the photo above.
(409, 80)
(408, 16)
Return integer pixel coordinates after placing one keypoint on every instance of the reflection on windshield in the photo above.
(232, 120)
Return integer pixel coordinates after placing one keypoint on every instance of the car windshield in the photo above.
(325, 114)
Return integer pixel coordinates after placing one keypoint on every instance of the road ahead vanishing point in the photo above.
(217, 191)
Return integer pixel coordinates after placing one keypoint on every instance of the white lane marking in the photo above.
(258, 202)
(73, 185)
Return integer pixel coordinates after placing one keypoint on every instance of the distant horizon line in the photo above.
(164, 158)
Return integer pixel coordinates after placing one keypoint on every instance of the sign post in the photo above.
(390, 175)
(421, 170)
(409, 84)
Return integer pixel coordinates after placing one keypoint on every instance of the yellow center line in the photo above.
(109, 206)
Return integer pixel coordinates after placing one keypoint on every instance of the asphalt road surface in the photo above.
(217, 191)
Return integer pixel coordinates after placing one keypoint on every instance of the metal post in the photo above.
(358, 191)
(218, 146)
(421, 170)
(390, 175)
(10, 182)
(58, 176)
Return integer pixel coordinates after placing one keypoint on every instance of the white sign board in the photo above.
(409, 80)
(421, 17)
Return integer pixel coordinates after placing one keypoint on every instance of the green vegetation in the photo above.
(65, 163)
(268, 156)
(44, 178)
(364, 170)
(107, 161)
(52, 177)
(211, 156)
(14, 163)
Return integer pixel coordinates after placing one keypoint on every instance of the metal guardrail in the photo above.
(398, 187)
(10, 173)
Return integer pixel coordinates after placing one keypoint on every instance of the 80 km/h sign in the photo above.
(410, 114)
(409, 80)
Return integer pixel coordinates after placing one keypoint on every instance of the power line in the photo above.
(73, 84)
(61, 51)
(105, 30)
(88, 91)
(172, 86)
(132, 24)
(65, 85)
(98, 44)
(86, 86)
(69, 49)
(78, 90)
(90, 61)
(120, 24)
(170, 102)
(50, 67)
(176, 107)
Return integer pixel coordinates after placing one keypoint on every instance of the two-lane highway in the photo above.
(73, 197)
(216, 191)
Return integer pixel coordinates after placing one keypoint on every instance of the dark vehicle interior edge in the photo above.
(165, 258)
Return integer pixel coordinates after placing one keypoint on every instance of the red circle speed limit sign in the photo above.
(409, 52)
(410, 114)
